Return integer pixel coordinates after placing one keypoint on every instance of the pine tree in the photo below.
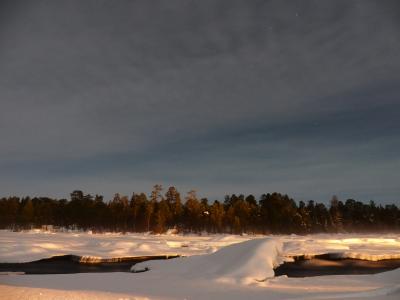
(150, 206)
(192, 211)
(27, 213)
(217, 214)
(336, 214)
(138, 206)
(162, 216)
(173, 199)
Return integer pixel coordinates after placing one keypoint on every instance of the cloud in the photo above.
(95, 88)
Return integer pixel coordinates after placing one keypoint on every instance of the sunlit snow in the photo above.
(217, 266)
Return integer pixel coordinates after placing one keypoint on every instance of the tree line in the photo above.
(162, 210)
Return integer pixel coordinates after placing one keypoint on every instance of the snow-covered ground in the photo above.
(36, 244)
(218, 267)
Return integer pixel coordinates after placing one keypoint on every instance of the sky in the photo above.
(297, 97)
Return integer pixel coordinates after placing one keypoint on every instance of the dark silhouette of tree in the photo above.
(162, 216)
(174, 202)
(151, 205)
(193, 212)
(120, 212)
(217, 215)
(138, 208)
(274, 213)
(27, 213)
(336, 215)
(305, 225)
(277, 212)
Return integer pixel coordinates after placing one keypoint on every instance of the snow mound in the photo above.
(244, 263)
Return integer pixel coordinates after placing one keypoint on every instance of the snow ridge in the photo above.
(245, 263)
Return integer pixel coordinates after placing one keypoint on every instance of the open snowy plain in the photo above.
(214, 266)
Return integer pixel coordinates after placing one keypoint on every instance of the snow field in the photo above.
(33, 245)
(217, 267)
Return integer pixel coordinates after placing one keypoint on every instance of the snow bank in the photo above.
(244, 263)
(361, 246)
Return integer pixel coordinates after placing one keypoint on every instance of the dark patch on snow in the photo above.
(67, 264)
(332, 264)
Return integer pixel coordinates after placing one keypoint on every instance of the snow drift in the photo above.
(247, 262)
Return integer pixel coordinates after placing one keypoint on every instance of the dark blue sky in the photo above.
(298, 97)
